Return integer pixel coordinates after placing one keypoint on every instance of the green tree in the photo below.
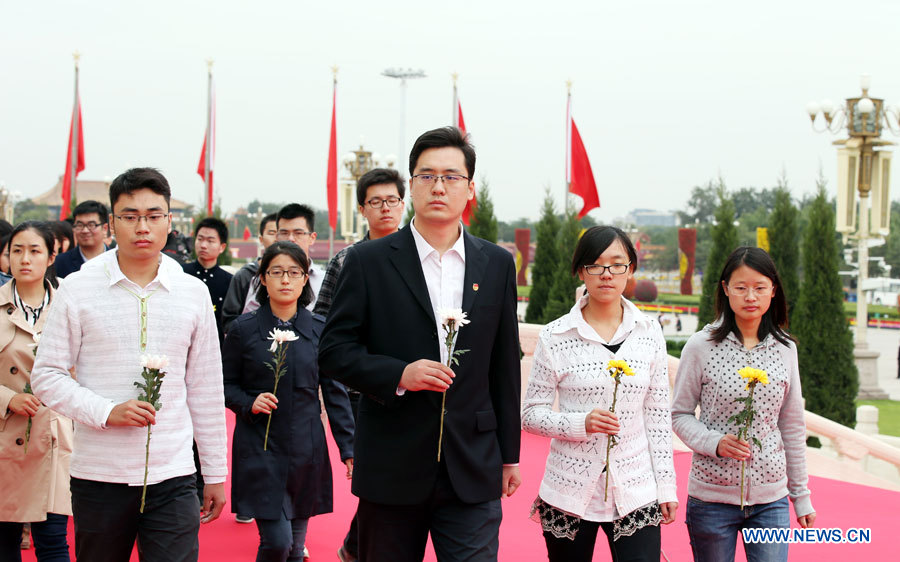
(824, 342)
(784, 245)
(546, 261)
(724, 241)
(562, 292)
(483, 223)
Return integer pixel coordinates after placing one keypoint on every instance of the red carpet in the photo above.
(838, 504)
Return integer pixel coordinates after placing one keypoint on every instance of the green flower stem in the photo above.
(610, 438)
(745, 433)
(279, 366)
(441, 432)
(146, 468)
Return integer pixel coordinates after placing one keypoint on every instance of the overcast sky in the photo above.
(667, 95)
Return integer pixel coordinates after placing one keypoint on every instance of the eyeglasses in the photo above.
(153, 219)
(742, 291)
(91, 226)
(429, 180)
(293, 273)
(615, 269)
(299, 233)
(377, 202)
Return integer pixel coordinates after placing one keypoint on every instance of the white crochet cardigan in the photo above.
(570, 360)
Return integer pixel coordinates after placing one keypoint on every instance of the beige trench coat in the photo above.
(35, 483)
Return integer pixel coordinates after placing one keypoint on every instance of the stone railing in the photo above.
(861, 448)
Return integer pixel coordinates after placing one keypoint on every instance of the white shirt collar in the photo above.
(425, 249)
(167, 267)
(631, 315)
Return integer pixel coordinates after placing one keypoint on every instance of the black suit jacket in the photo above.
(382, 320)
(68, 262)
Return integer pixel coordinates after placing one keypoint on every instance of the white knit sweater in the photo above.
(570, 360)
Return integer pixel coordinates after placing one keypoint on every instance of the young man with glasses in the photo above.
(296, 223)
(384, 338)
(127, 303)
(91, 228)
(210, 240)
(379, 194)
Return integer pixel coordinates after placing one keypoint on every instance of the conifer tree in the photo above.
(724, 241)
(824, 343)
(483, 223)
(562, 292)
(784, 243)
(546, 261)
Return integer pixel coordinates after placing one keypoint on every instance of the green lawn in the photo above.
(888, 415)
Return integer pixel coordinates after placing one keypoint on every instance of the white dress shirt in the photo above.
(101, 323)
(444, 276)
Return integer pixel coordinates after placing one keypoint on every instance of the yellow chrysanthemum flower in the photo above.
(619, 366)
(754, 375)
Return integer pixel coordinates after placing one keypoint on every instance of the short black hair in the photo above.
(266, 220)
(296, 210)
(63, 231)
(294, 252)
(378, 176)
(90, 206)
(5, 228)
(139, 178)
(595, 241)
(439, 138)
(216, 224)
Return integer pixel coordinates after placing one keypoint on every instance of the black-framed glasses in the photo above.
(378, 202)
(153, 219)
(615, 269)
(431, 179)
(89, 226)
(293, 273)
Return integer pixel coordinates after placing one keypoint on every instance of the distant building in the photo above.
(650, 217)
(99, 191)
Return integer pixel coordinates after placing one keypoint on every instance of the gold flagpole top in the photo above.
(334, 71)
(77, 57)
(455, 76)
(209, 65)
(569, 87)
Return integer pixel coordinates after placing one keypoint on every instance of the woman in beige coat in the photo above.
(34, 463)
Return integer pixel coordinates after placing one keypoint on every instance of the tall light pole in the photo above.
(403, 74)
(864, 168)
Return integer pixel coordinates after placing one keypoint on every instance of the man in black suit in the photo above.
(383, 337)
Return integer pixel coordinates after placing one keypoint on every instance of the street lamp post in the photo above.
(863, 166)
(403, 74)
(357, 164)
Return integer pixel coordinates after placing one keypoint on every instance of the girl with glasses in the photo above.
(749, 332)
(35, 459)
(289, 482)
(580, 494)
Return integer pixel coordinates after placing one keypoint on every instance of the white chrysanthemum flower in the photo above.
(158, 362)
(453, 316)
(280, 336)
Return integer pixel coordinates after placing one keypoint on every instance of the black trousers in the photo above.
(459, 531)
(108, 521)
(351, 541)
(643, 546)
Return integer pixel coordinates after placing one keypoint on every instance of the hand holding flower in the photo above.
(601, 421)
(150, 396)
(24, 404)
(732, 447)
(264, 403)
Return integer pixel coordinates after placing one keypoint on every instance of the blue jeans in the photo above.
(49, 539)
(281, 539)
(714, 527)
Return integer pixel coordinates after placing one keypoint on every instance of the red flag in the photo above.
(209, 138)
(473, 202)
(581, 178)
(331, 183)
(68, 180)
(247, 233)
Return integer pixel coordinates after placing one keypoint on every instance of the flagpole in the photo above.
(568, 182)
(76, 117)
(334, 71)
(209, 140)
(455, 112)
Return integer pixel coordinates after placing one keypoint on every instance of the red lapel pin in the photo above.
(475, 286)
